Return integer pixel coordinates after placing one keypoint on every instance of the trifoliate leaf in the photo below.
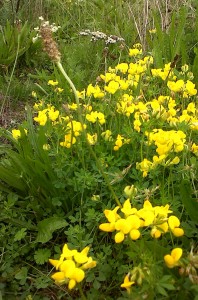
(41, 256)
(47, 227)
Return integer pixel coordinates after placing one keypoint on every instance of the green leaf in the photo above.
(20, 234)
(47, 227)
(41, 256)
(190, 204)
(22, 275)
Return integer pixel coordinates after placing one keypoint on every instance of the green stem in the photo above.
(81, 292)
(61, 69)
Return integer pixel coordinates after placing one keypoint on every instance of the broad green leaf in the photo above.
(190, 204)
(47, 227)
(42, 256)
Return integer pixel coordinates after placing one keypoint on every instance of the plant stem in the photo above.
(81, 292)
(61, 69)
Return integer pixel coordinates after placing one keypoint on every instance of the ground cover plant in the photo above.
(99, 182)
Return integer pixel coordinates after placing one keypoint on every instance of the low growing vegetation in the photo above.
(99, 181)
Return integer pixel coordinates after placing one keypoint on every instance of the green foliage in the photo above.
(42, 256)
(190, 203)
(167, 44)
(52, 195)
(47, 227)
(15, 41)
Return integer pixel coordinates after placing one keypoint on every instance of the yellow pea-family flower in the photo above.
(130, 191)
(69, 141)
(96, 116)
(135, 52)
(176, 86)
(127, 283)
(53, 114)
(59, 90)
(107, 135)
(127, 209)
(73, 106)
(41, 118)
(112, 216)
(122, 67)
(118, 142)
(174, 224)
(112, 87)
(172, 260)
(190, 89)
(145, 166)
(194, 149)
(16, 133)
(71, 266)
(52, 82)
(92, 139)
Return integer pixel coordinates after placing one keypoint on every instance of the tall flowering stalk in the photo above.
(50, 46)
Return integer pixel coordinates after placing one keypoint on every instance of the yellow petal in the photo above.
(78, 275)
(123, 226)
(178, 232)
(173, 222)
(176, 254)
(107, 227)
(119, 237)
(68, 267)
(134, 234)
(72, 284)
(169, 261)
(59, 277)
(54, 262)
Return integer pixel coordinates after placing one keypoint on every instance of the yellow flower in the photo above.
(127, 209)
(135, 52)
(52, 83)
(89, 264)
(53, 114)
(16, 133)
(73, 106)
(112, 87)
(92, 139)
(123, 67)
(174, 224)
(71, 266)
(112, 217)
(81, 257)
(194, 149)
(41, 118)
(172, 260)
(96, 116)
(106, 135)
(152, 31)
(69, 141)
(127, 283)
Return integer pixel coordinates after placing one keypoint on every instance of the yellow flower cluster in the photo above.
(73, 129)
(166, 142)
(71, 266)
(132, 220)
(120, 141)
(187, 88)
(48, 113)
(96, 116)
